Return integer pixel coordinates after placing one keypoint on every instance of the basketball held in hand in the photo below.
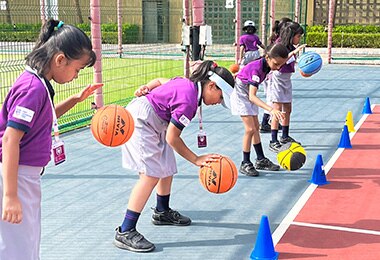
(219, 176)
(112, 125)
(309, 63)
(291, 156)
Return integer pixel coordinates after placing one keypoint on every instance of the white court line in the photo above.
(355, 230)
(289, 218)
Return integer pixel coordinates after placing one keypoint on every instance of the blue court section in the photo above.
(85, 198)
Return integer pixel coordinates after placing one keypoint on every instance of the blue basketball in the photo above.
(310, 63)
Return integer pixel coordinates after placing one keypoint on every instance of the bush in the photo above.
(349, 40)
(350, 36)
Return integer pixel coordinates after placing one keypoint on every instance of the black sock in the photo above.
(246, 157)
(265, 119)
(274, 136)
(259, 151)
(285, 131)
(130, 220)
(162, 202)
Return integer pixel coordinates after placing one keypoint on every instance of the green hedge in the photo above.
(350, 36)
(346, 28)
(29, 32)
(349, 40)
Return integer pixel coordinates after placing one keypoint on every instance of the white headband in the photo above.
(224, 86)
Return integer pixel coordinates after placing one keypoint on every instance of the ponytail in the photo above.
(201, 73)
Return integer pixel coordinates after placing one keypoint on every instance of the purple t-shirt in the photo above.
(254, 72)
(250, 42)
(27, 108)
(175, 101)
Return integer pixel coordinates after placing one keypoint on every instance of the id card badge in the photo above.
(202, 139)
(58, 152)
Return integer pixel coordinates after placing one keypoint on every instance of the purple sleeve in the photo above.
(24, 106)
(241, 41)
(182, 115)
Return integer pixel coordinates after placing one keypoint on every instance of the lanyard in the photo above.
(199, 112)
(55, 120)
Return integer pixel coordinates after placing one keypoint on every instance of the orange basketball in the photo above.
(303, 74)
(112, 125)
(234, 68)
(219, 176)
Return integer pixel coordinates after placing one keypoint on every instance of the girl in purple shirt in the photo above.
(26, 120)
(248, 43)
(245, 103)
(279, 90)
(161, 111)
(276, 29)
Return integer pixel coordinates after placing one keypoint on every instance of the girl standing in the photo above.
(26, 120)
(161, 111)
(248, 43)
(245, 103)
(279, 89)
(278, 25)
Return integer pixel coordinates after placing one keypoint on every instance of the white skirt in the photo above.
(147, 150)
(22, 241)
(240, 103)
(279, 89)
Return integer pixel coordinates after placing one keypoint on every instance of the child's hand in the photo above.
(207, 158)
(12, 211)
(278, 114)
(141, 91)
(89, 90)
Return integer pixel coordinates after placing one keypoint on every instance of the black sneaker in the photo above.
(169, 217)
(288, 140)
(248, 169)
(267, 165)
(275, 146)
(266, 128)
(132, 240)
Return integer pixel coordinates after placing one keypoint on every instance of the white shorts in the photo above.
(22, 241)
(280, 88)
(240, 103)
(147, 150)
(250, 56)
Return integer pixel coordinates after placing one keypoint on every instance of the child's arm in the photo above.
(257, 101)
(296, 51)
(173, 138)
(145, 89)
(64, 106)
(12, 210)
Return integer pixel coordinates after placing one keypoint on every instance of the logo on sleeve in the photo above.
(256, 78)
(184, 120)
(23, 113)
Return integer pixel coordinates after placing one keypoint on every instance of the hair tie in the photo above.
(60, 24)
(213, 66)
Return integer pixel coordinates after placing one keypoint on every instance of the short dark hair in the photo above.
(70, 40)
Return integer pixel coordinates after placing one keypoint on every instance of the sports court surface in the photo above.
(85, 198)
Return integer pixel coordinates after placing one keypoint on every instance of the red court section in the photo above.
(351, 201)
